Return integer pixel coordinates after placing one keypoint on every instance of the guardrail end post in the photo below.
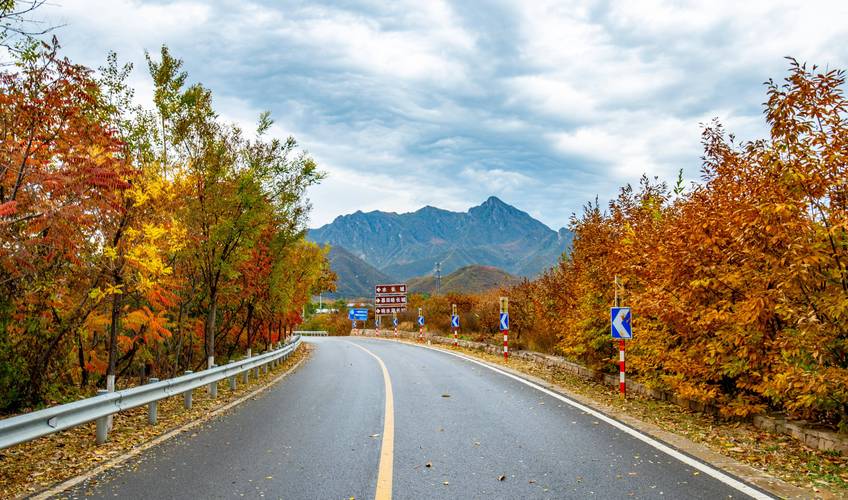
(187, 394)
(153, 407)
(102, 423)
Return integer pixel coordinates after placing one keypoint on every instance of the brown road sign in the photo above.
(390, 289)
(381, 310)
(391, 300)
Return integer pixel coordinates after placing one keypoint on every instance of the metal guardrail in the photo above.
(312, 333)
(23, 428)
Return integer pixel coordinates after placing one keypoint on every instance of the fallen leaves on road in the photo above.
(501, 477)
(445, 395)
(779, 455)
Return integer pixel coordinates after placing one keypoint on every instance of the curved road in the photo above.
(460, 430)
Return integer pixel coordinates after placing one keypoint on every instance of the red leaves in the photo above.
(8, 208)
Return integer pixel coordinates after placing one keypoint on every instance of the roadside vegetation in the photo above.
(139, 240)
(738, 284)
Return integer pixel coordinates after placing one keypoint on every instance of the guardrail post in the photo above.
(212, 388)
(187, 394)
(153, 407)
(232, 380)
(102, 423)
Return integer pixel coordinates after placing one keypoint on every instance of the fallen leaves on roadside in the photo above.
(36, 465)
(779, 455)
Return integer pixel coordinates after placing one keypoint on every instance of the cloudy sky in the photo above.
(413, 103)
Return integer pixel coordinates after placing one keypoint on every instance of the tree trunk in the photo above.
(84, 372)
(179, 333)
(113, 333)
(210, 328)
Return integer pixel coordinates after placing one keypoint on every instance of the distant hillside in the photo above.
(468, 279)
(356, 278)
(407, 245)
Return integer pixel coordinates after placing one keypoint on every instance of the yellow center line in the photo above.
(384, 471)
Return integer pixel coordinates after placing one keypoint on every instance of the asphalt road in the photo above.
(460, 431)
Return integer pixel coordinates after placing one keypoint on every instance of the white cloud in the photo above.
(409, 103)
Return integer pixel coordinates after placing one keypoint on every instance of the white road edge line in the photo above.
(706, 469)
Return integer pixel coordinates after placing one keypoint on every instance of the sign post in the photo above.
(454, 324)
(621, 329)
(358, 314)
(389, 299)
(420, 325)
(504, 325)
(377, 325)
(395, 323)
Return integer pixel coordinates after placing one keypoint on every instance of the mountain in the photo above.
(468, 279)
(407, 245)
(356, 278)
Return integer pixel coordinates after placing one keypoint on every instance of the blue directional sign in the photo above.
(350, 314)
(455, 321)
(420, 320)
(620, 323)
(360, 314)
(504, 321)
(394, 321)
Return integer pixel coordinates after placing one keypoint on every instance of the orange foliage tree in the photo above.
(125, 230)
(739, 285)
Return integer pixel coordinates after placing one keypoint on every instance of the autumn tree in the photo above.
(61, 175)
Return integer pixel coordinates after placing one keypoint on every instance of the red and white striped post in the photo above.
(420, 326)
(394, 322)
(377, 325)
(505, 331)
(621, 386)
(453, 326)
